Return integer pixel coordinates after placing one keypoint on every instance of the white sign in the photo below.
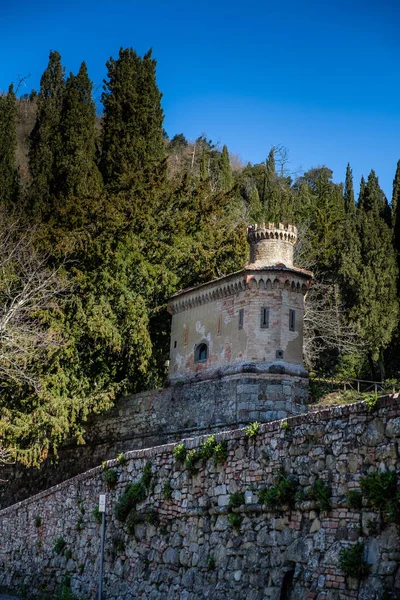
(102, 503)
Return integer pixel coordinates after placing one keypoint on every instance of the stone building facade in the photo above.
(250, 319)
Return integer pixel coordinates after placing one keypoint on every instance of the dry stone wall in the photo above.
(182, 544)
(160, 416)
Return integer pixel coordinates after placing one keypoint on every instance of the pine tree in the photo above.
(45, 139)
(8, 145)
(76, 173)
(133, 145)
(226, 176)
(349, 202)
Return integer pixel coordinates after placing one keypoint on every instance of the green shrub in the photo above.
(79, 523)
(252, 430)
(59, 545)
(210, 562)
(110, 478)
(167, 490)
(97, 514)
(320, 492)
(280, 494)
(118, 545)
(147, 475)
(235, 520)
(121, 459)
(352, 561)
(221, 452)
(373, 527)
(132, 495)
(131, 521)
(207, 448)
(236, 500)
(382, 493)
(68, 553)
(370, 400)
(152, 517)
(38, 520)
(191, 460)
(354, 500)
(180, 453)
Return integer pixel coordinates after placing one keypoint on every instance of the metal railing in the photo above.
(361, 386)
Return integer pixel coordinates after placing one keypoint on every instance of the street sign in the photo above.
(102, 503)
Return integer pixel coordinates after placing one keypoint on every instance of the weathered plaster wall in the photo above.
(210, 314)
(193, 553)
(161, 416)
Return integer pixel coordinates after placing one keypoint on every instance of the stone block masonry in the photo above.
(167, 415)
(182, 544)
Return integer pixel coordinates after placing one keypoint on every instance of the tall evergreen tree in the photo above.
(396, 211)
(45, 139)
(255, 208)
(226, 176)
(374, 200)
(349, 202)
(76, 172)
(8, 147)
(361, 194)
(133, 145)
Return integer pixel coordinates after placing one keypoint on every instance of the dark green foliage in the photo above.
(167, 490)
(352, 561)
(97, 515)
(118, 545)
(236, 500)
(121, 459)
(354, 500)
(133, 494)
(207, 447)
(8, 147)
(373, 527)
(211, 564)
(382, 493)
(68, 553)
(283, 492)
(59, 545)
(320, 492)
(235, 520)
(152, 517)
(226, 177)
(180, 452)
(191, 461)
(349, 200)
(220, 452)
(45, 139)
(79, 523)
(38, 520)
(132, 139)
(111, 478)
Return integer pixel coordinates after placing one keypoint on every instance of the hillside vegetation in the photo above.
(104, 218)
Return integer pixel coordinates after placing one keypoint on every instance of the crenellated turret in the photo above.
(271, 245)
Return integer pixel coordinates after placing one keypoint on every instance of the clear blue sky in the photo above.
(321, 78)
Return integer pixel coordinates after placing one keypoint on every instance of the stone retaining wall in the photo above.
(184, 547)
(161, 416)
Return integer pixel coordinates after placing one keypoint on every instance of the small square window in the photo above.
(264, 317)
(292, 320)
(241, 318)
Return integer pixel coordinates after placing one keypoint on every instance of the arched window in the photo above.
(201, 353)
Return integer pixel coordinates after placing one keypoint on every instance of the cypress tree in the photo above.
(8, 145)
(203, 166)
(396, 211)
(374, 199)
(361, 194)
(133, 145)
(45, 140)
(226, 176)
(348, 195)
(255, 212)
(76, 171)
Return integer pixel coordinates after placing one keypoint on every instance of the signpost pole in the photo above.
(102, 509)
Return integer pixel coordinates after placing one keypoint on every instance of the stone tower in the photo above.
(247, 323)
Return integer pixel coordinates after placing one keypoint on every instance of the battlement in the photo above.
(271, 244)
